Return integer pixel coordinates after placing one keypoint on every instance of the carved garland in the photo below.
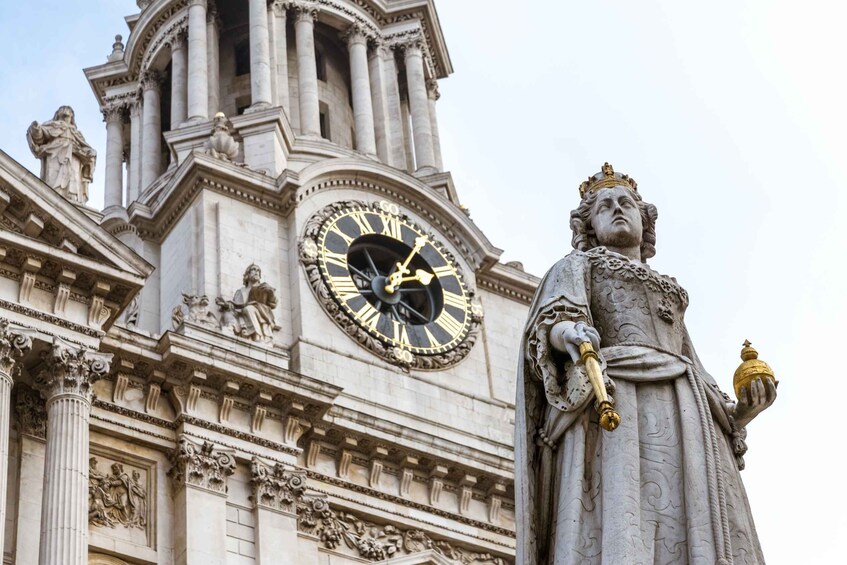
(309, 258)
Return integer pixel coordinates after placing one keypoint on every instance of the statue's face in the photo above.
(616, 218)
(254, 275)
(66, 116)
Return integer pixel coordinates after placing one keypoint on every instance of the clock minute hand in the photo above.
(396, 278)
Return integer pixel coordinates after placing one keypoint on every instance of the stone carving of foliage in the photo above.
(200, 465)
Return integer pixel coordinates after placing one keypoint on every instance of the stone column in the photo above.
(199, 474)
(433, 95)
(279, 50)
(213, 54)
(14, 343)
(113, 115)
(376, 70)
(198, 66)
(360, 84)
(276, 491)
(260, 55)
(134, 176)
(66, 382)
(32, 425)
(419, 107)
(151, 135)
(179, 81)
(307, 71)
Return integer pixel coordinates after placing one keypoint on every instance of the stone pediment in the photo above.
(65, 264)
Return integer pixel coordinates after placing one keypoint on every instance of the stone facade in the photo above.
(171, 362)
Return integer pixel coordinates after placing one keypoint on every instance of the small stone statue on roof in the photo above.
(67, 160)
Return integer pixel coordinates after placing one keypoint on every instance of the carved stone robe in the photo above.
(662, 488)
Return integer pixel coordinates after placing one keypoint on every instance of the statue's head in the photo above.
(65, 114)
(253, 274)
(612, 213)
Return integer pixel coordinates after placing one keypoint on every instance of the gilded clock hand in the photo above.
(396, 278)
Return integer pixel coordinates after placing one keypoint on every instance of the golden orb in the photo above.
(750, 369)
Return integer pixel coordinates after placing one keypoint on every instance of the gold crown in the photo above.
(606, 178)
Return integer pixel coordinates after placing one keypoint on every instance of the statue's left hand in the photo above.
(754, 399)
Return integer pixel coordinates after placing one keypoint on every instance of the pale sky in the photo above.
(730, 115)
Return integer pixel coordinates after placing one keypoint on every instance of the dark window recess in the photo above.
(324, 120)
(320, 64)
(242, 103)
(242, 58)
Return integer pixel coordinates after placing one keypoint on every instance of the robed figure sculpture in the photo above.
(664, 486)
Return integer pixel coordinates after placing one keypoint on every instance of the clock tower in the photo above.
(320, 368)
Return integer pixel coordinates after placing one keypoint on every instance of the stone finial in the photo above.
(117, 53)
(201, 466)
(221, 144)
(69, 369)
(67, 160)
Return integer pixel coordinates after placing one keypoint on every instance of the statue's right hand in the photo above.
(567, 336)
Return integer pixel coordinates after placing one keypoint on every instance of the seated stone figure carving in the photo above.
(250, 312)
(664, 487)
(67, 160)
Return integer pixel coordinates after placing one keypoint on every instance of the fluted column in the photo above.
(433, 96)
(67, 384)
(419, 106)
(307, 71)
(260, 55)
(213, 54)
(151, 135)
(14, 343)
(376, 70)
(113, 115)
(279, 53)
(179, 81)
(360, 83)
(198, 66)
(134, 176)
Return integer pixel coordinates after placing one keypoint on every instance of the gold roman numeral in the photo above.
(392, 227)
(368, 315)
(400, 334)
(339, 259)
(443, 271)
(449, 324)
(345, 287)
(337, 231)
(432, 341)
(452, 299)
(362, 221)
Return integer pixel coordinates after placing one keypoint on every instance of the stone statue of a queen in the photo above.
(664, 487)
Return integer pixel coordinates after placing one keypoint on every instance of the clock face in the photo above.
(394, 281)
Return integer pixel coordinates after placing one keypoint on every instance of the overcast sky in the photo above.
(730, 115)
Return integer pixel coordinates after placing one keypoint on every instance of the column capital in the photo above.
(280, 7)
(15, 342)
(356, 34)
(413, 45)
(432, 89)
(276, 488)
(69, 369)
(200, 465)
(305, 11)
(202, 3)
(151, 80)
(134, 106)
(114, 112)
(178, 39)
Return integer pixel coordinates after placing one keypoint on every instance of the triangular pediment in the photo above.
(43, 233)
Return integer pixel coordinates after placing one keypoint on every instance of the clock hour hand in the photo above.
(396, 278)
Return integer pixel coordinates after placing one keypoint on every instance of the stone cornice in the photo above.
(509, 281)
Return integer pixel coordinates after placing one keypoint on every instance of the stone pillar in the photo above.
(179, 81)
(276, 491)
(14, 343)
(419, 107)
(360, 84)
(279, 50)
(433, 96)
(134, 176)
(32, 425)
(376, 70)
(199, 474)
(213, 54)
(151, 135)
(395, 124)
(198, 66)
(307, 71)
(113, 115)
(66, 382)
(260, 55)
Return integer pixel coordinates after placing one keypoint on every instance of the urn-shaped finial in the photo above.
(750, 369)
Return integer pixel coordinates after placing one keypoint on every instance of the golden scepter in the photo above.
(609, 419)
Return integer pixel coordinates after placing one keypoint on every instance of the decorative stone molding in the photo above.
(118, 498)
(305, 11)
(280, 7)
(151, 80)
(15, 342)
(114, 112)
(200, 466)
(31, 411)
(277, 487)
(355, 34)
(71, 370)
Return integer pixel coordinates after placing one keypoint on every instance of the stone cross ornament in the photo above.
(626, 450)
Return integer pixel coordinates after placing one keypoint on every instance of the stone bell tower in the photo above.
(320, 369)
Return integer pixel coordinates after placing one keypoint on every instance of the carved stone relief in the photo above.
(31, 411)
(117, 497)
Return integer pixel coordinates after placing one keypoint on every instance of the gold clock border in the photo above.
(404, 358)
